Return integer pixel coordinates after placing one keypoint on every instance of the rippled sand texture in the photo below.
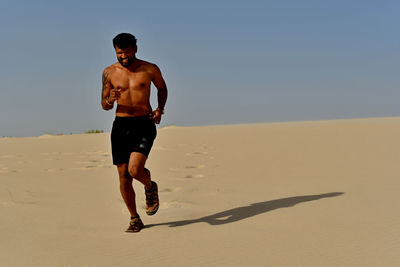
(321, 193)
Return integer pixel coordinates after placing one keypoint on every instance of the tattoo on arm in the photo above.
(106, 80)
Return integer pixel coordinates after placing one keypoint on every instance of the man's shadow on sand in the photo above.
(237, 214)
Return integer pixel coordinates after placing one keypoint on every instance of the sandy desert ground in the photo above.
(322, 193)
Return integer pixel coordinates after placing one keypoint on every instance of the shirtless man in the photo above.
(127, 82)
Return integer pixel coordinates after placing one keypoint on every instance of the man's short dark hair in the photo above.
(124, 40)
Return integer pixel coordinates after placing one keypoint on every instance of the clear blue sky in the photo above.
(224, 61)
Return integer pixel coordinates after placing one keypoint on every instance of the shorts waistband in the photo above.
(138, 118)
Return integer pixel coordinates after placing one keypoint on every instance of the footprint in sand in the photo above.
(53, 169)
(195, 167)
(8, 156)
(187, 167)
(99, 152)
(194, 176)
(166, 190)
(196, 153)
(170, 190)
(170, 204)
(90, 161)
(85, 168)
(3, 170)
(174, 204)
(6, 170)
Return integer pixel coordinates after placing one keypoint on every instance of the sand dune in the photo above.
(320, 193)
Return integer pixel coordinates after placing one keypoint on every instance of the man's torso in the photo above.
(134, 84)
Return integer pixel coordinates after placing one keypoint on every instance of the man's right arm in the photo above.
(106, 89)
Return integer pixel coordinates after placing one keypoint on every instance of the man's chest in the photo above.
(131, 80)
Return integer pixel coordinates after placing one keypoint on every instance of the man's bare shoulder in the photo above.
(110, 69)
(152, 69)
(148, 66)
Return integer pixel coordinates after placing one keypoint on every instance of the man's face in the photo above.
(125, 56)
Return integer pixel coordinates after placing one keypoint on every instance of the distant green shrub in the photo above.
(94, 131)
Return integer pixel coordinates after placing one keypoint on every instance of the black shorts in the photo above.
(131, 134)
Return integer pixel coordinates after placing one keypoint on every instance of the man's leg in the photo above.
(126, 188)
(138, 171)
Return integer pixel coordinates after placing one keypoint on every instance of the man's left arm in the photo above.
(162, 93)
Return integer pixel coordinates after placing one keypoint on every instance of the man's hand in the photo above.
(115, 94)
(156, 115)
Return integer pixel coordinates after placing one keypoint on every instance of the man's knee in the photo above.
(123, 174)
(135, 172)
